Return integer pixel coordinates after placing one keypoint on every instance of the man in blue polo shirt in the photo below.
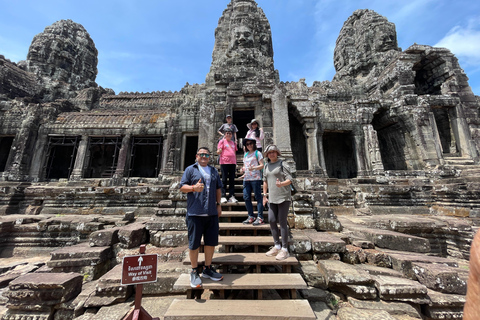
(202, 185)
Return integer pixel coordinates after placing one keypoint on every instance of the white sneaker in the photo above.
(232, 199)
(223, 200)
(282, 255)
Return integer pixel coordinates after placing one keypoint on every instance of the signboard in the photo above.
(139, 269)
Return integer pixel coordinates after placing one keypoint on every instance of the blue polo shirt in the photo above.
(197, 202)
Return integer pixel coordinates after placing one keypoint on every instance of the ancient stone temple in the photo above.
(386, 157)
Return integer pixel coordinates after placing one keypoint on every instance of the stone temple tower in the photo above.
(242, 80)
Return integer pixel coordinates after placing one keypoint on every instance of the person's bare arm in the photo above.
(471, 311)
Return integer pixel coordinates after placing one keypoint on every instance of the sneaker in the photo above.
(258, 221)
(232, 199)
(223, 200)
(272, 252)
(249, 220)
(282, 255)
(210, 273)
(195, 281)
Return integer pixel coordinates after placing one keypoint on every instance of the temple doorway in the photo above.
(298, 141)
(61, 155)
(191, 146)
(446, 134)
(339, 154)
(103, 156)
(241, 118)
(145, 157)
(5, 147)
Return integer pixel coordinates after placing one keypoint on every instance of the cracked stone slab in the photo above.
(323, 242)
(392, 288)
(393, 308)
(440, 278)
(340, 273)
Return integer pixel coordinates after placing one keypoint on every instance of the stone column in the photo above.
(465, 143)
(19, 161)
(281, 126)
(122, 157)
(310, 129)
(321, 154)
(39, 156)
(77, 172)
(372, 151)
(360, 152)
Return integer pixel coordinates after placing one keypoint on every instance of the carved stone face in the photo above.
(385, 38)
(242, 37)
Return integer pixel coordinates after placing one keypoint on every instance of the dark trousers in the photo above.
(228, 171)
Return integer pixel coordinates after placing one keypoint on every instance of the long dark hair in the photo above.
(257, 132)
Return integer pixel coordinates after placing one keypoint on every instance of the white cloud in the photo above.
(464, 42)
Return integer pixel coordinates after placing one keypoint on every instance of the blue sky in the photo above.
(150, 45)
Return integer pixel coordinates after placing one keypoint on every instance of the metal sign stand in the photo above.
(138, 313)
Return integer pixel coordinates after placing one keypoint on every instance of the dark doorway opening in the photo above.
(298, 142)
(429, 75)
(241, 118)
(445, 131)
(146, 156)
(5, 147)
(191, 145)
(103, 156)
(391, 141)
(339, 155)
(61, 155)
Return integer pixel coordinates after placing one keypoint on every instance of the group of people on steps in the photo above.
(264, 174)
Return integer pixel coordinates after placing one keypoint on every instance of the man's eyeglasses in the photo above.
(203, 155)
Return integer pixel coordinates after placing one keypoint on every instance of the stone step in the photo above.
(246, 259)
(238, 204)
(247, 281)
(255, 241)
(239, 309)
(241, 226)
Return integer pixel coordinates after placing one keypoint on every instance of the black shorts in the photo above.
(206, 226)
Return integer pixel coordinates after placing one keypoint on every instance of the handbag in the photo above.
(293, 190)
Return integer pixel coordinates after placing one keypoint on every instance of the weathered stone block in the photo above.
(166, 223)
(104, 238)
(349, 313)
(304, 221)
(440, 278)
(354, 255)
(312, 275)
(169, 238)
(393, 308)
(394, 240)
(132, 235)
(400, 289)
(403, 262)
(301, 243)
(326, 220)
(378, 258)
(338, 273)
(323, 242)
(444, 306)
(34, 290)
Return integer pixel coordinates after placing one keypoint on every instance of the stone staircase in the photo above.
(250, 277)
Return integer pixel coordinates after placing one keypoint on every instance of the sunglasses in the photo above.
(250, 144)
(203, 155)
(228, 133)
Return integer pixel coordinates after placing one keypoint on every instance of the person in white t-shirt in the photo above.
(252, 181)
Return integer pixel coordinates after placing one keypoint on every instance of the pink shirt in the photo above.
(228, 155)
(251, 134)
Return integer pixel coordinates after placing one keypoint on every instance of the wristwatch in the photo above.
(218, 203)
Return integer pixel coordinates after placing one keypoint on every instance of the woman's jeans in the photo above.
(248, 186)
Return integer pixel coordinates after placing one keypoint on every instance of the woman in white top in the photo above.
(252, 167)
(255, 132)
